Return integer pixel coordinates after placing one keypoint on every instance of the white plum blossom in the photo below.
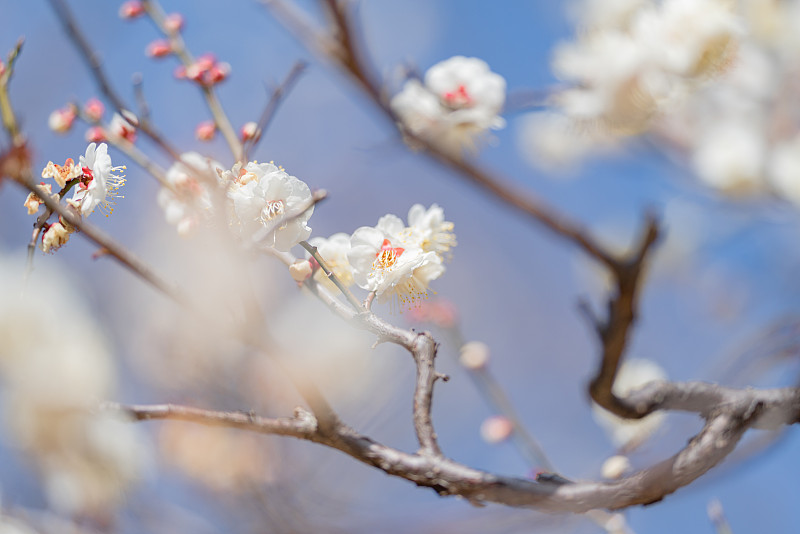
(188, 202)
(396, 270)
(99, 185)
(690, 37)
(629, 433)
(262, 195)
(428, 230)
(334, 251)
(460, 99)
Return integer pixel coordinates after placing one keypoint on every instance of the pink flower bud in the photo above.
(179, 72)
(2, 68)
(195, 72)
(94, 109)
(173, 23)
(95, 134)
(218, 73)
(131, 9)
(205, 131)
(158, 48)
(206, 61)
(61, 120)
(300, 270)
(250, 131)
(496, 429)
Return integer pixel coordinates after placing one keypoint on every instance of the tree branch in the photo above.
(734, 411)
(276, 97)
(96, 68)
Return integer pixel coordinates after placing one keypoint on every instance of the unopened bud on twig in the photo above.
(173, 22)
(205, 131)
(300, 270)
(158, 48)
(131, 9)
(250, 131)
(94, 109)
(95, 134)
(474, 355)
(61, 120)
(496, 429)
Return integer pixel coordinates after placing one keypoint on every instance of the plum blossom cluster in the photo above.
(634, 60)
(394, 261)
(455, 104)
(268, 205)
(96, 183)
(712, 80)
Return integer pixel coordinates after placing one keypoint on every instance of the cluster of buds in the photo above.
(205, 70)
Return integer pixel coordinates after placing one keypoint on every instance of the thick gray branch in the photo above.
(731, 412)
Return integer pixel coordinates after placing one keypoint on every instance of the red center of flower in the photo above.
(458, 98)
(387, 255)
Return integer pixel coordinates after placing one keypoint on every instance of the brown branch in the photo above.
(614, 330)
(276, 97)
(735, 411)
(95, 65)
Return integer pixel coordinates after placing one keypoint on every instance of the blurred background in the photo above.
(720, 301)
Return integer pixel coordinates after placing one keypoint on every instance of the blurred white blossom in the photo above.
(188, 202)
(56, 368)
(334, 251)
(460, 100)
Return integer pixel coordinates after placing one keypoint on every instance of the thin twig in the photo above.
(39, 224)
(276, 97)
(330, 274)
(142, 107)
(7, 112)
(179, 48)
(95, 65)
